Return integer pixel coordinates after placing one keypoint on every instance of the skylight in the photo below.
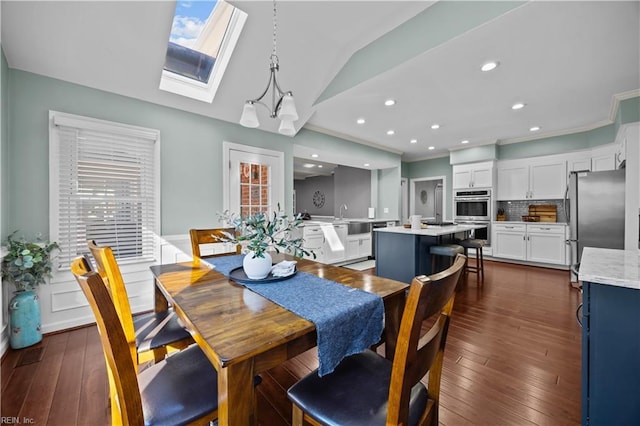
(203, 36)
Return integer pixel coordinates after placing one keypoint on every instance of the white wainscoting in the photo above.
(63, 305)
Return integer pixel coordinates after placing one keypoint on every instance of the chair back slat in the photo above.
(108, 268)
(210, 236)
(121, 368)
(415, 355)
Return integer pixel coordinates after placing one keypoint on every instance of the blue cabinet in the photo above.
(610, 355)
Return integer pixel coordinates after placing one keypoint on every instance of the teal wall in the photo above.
(4, 158)
(474, 154)
(191, 151)
(629, 111)
(558, 144)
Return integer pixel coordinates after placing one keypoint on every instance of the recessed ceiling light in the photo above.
(534, 129)
(414, 141)
(391, 132)
(489, 66)
(435, 126)
(319, 166)
(389, 102)
(309, 166)
(465, 141)
(361, 121)
(366, 164)
(432, 147)
(314, 155)
(519, 105)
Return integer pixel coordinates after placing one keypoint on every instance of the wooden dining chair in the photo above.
(210, 236)
(150, 335)
(181, 389)
(367, 389)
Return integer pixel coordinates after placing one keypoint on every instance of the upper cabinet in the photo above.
(603, 158)
(543, 178)
(476, 175)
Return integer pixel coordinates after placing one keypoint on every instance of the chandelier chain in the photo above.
(275, 28)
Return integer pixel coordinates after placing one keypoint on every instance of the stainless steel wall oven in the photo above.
(474, 206)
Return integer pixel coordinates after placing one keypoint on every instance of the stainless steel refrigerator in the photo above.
(595, 212)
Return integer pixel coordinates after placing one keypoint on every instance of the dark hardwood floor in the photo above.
(512, 358)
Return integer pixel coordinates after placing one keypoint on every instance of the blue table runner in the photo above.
(347, 320)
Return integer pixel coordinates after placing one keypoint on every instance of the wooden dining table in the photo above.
(243, 333)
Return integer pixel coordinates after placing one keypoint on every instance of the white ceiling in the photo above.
(567, 61)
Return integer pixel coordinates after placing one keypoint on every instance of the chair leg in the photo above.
(297, 416)
(481, 259)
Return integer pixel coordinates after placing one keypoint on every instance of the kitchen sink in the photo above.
(358, 228)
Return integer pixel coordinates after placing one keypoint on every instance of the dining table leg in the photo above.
(236, 394)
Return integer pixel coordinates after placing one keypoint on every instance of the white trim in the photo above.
(278, 172)
(205, 92)
(344, 136)
(70, 120)
(412, 183)
(56, 119)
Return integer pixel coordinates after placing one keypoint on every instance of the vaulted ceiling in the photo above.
(567, 62)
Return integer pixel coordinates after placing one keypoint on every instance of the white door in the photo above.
(254, 179)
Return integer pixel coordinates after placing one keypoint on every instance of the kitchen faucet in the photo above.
(345, 207)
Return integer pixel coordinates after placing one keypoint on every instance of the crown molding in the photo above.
(350, 138)
(615, 105)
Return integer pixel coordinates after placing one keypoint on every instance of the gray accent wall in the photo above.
(305, 190)
(353, 188)
(348, 185)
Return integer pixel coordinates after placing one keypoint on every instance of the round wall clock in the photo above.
(318, 199)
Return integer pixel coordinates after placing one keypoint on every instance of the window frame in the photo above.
(184, 86)
(92, 124)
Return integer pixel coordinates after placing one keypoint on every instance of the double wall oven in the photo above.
(474, 206)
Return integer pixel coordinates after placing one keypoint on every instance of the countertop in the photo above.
(338, 221)
(431, 230)
(609, 266)
(521, 222)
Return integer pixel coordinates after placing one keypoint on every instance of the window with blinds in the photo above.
(104, 187)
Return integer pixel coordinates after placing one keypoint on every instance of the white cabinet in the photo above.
(509, 241)
(540, 242)
(334, 247)
(476, 175)
(546, 243)
(543, 178)
(603, 158)
(579, 162)
(313, 241)
(358, 246)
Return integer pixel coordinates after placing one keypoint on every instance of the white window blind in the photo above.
(105, 188)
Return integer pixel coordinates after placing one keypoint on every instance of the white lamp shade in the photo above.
(288, 109)
(249, 116)
(286, 128)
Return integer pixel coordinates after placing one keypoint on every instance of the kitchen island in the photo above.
(610, 336)
(403, 253)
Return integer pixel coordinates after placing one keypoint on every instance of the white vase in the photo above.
(256, 268)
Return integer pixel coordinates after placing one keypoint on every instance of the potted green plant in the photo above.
(26, 265)
(260, 232)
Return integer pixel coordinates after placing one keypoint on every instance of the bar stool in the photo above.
(449, 251)
(478, 268)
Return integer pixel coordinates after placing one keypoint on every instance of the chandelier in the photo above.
(282, 103)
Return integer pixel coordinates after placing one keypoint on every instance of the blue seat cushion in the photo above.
(450, 250)
(154, 330)
(179, 389)
(356, 393)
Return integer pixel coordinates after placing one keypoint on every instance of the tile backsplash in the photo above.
(516, 209)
